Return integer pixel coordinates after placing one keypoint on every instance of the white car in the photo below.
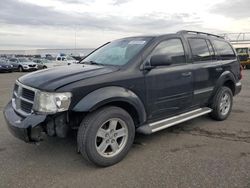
(63, 60)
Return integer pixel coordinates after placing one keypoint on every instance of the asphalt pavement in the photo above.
(198, 153)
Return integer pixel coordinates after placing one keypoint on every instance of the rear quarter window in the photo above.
(224, 49)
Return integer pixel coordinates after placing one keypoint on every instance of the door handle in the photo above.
(218, 69)
(186, 74)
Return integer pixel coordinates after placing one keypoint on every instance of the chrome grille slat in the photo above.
(26, 100)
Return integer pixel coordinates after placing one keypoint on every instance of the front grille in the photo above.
(28, 94)
(23, 98)
(32, 65)
(26, 106)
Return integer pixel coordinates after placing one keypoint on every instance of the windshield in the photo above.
(118, 52)
(70, 58)
(2, 62)
(45, 61)
(21, 60)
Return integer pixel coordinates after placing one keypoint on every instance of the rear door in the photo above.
(227, 57)
(206, 69)
(169, 88)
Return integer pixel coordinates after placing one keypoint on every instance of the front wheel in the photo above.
(105, 136)
(222, 104)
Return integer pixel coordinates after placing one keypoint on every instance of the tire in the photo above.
(247, 66)
(20, 69)
(44, 67)
(95, 131)
(222, 104)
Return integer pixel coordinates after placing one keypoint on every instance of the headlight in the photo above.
(52, 102)
(11, 66)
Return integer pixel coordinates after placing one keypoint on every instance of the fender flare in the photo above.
(105, 95)
(224, 77)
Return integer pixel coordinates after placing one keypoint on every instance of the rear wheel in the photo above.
(20, 69)
(222, 104)
(105, 136)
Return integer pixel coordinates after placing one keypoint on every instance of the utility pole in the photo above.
(75, 39)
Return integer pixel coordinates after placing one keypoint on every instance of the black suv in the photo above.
(143, 84)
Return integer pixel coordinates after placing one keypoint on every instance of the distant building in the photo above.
(53, 52)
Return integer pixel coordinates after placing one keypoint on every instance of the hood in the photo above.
(28, 63)
(54, 78)
(5, 65)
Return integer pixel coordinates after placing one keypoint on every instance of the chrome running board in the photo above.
(165, 123)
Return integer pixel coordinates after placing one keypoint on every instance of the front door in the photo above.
(170, 87)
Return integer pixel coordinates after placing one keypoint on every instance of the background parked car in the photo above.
(23, 64)
(14, 64)
(43, 63)
(5, 67)
(65, 60)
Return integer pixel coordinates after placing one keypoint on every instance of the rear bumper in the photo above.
(238, 87)
(28, 128)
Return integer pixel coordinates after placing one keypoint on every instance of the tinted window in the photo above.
(211, 49)
(172, 48)
(224, 50)
(200, 51)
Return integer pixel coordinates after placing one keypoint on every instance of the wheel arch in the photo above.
(113, 96)
(226, 79)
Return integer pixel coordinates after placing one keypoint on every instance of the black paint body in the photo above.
(154, 93)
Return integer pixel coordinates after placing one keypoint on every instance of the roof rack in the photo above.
(197, 32)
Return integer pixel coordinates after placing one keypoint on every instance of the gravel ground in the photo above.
(199, 153)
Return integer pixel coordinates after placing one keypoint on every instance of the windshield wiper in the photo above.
(92, 63)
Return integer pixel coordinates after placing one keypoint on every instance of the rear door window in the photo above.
(199, 48)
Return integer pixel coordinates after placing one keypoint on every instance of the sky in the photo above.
(35, 24)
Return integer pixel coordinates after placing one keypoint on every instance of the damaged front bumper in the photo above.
(27, 128)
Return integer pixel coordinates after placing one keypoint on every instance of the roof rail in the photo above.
(197, 32)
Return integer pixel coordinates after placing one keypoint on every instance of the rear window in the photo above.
(224, 50)
(199, 48)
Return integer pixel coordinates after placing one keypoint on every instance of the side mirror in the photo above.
(160, 60)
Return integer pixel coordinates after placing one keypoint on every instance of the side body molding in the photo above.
(106, 95)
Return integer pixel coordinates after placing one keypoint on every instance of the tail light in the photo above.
(241, 68)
